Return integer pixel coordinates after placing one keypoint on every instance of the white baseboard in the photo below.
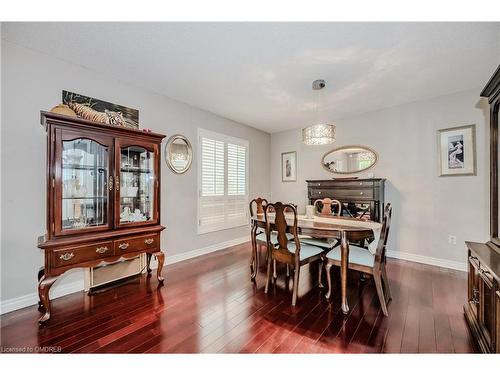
(460, 266)
(205, 250)
(76, 286)
(32, 298)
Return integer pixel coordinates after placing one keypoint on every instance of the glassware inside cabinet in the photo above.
(136, 184)
(84, 178)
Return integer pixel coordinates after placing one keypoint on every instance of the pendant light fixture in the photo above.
(319, 133)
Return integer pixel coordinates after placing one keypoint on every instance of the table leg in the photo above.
(254, 264)
(344, 260)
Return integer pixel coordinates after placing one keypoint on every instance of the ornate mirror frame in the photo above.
(168, 152)
(347, 147)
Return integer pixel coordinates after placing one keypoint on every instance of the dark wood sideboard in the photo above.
(360, 198)
(482, 309)
(103, 198)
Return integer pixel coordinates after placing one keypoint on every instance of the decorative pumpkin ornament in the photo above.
(63, 109)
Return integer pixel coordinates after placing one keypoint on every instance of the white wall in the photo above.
(427, 208)
(31, 82)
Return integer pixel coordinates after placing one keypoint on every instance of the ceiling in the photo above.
(260, 74)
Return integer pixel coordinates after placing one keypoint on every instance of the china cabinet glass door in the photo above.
(83, 184)
(136, 201)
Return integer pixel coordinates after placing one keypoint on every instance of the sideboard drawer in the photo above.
(342, 184)
(343, 194)
(84, 253)
(138, 243)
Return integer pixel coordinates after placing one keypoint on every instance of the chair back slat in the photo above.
(384, 234)
(260, 203)
(281, 226)
(327, 206)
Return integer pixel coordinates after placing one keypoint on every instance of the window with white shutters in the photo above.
(223, 182)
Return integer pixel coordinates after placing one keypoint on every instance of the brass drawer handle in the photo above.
(67, 256)
(361, 193)
(149, 241)
(123, 245)
(101, 250)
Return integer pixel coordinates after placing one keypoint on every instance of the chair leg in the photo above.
(268, 274)
(295, 285)
(380, 291)
(320, 273)
(275, 274)
(386, 283)
(328, 269)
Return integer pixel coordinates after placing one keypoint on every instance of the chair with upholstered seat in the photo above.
(326, 209)
(257, 235)
(362, 260)
(292, 252)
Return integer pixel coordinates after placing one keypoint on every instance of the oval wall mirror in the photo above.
(349, 159)
(178, 153)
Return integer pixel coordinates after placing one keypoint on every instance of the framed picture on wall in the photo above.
(457, 151)
(289, 166)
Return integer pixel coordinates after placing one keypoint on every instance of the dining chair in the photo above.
(325, 210)
(327, 207)
(291, 252)
(362, 260)
(259, 236)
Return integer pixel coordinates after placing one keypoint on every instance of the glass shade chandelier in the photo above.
(319, 133)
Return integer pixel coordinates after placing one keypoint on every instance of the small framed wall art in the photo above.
(289, 166)
(457, 151)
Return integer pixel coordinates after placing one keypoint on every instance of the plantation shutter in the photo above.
(223, 182)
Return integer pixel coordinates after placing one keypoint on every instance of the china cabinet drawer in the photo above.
(78, 254)
(139, 243)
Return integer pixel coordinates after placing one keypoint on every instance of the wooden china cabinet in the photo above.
(482, 309)
(103, 198)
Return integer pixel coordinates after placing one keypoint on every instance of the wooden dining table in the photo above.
(322, 229)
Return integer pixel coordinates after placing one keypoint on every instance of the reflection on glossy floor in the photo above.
(209, 305)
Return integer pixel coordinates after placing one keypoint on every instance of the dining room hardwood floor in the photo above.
(209, 305)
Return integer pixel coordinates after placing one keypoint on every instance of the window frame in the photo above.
(227, 139)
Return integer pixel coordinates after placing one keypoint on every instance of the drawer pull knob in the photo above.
(360, 183)
(67, 256)
(123, 245)
(319, 192)
(149, 241)
(361, 193)
(101, 250)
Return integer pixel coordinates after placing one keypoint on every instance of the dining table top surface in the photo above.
(323, 222)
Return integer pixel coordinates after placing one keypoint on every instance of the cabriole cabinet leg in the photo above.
(148, 263)
(160, 257)
(43, 293)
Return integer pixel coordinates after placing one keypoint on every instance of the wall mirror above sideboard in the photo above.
(178, 154)
(349, 159)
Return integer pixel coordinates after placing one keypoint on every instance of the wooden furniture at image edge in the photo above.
(361, 198)
(482, 309)
(103, 237)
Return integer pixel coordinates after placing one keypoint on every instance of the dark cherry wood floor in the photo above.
(209, 305)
